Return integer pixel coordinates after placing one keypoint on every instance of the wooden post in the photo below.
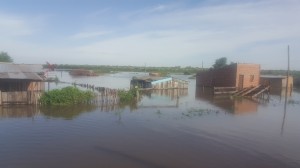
(0, 98)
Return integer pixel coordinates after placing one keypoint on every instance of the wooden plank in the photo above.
(224, 87)
(241, 91)
(250, 90)
(225, 92)
(263, 90)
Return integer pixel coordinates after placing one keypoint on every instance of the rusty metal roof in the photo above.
(20, 71)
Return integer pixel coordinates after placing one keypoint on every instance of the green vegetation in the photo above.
(4, 57)
(127, 96)
(164, 71)
(66, 96)
(220, 63)
(111, 69)
(67, 112)
(192, 112)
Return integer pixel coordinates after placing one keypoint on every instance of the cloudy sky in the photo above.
(151, 32)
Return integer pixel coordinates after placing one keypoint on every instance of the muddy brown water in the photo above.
(196, 130)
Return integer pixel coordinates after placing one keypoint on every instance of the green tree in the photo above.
(220, 63)
(4, 57)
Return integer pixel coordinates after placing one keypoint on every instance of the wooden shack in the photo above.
(20, 83)
(276, 82)
(234, 75)
(154, 82)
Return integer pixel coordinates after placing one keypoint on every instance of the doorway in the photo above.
(241, 82)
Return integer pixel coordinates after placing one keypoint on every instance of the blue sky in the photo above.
(155, 33)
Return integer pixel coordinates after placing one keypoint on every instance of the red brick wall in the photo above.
(248, 70)
(229, 76)
(204, 79)
(223, 77)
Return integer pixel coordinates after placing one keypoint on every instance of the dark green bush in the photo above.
(66, 96)
(127, 96)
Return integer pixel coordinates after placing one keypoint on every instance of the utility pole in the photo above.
(286, 89)
(287, 74)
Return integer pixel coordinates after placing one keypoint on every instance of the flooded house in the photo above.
(278, 84)
(241, 80)
(20, 83)
(234, 75)
(156, 82)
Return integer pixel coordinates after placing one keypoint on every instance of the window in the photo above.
(251, 78)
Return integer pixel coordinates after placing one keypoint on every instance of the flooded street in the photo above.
(186, 128)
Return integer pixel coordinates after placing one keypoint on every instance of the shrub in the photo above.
(66, 96)
(127, 96)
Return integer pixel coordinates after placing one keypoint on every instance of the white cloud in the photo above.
(91, 34)
(14, 26)
(98, 13)
(145, 13)
(167, 35)
(256, 27)
(158, 8)
(170, 48)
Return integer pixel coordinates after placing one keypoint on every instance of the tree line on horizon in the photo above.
(188, 70)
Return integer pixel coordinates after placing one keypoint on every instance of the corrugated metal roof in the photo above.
(20, 71)
(149, 78)
(161, 80)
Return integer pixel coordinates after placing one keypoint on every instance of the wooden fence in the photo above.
(21, 97)
(106, 97)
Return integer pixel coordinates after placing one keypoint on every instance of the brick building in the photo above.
(234, 75)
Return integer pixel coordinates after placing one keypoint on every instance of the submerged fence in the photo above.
(106, 97)
(103, 96)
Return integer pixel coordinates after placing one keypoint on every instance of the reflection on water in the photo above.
(18, 111)
(171, 93)
(233, 105)
(175, 128)
(166, 98)
(66, 112)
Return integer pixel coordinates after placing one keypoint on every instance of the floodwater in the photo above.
(186, 128)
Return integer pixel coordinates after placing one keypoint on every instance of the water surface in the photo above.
(164, 129)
